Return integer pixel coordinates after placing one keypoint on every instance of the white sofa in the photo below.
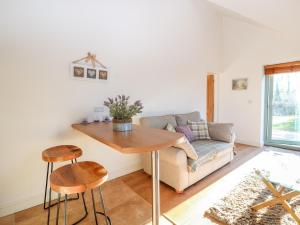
(176, 168)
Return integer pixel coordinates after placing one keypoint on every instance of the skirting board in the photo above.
(28, 202)
(252, 143)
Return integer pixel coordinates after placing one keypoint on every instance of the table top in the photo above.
(283, 169)
(139, 140)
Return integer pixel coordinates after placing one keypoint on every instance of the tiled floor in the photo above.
(128, 198)
(123, 204)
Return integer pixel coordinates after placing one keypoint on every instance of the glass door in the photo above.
(283, 110)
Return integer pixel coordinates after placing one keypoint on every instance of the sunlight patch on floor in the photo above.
(162, 221)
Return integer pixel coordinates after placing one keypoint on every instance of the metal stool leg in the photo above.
(45, 196)
(66, 208)
(94, 208)
(107, 219)
(85, 209)
(49, 203)
(47, 178)
(65, 213)
(57, 212)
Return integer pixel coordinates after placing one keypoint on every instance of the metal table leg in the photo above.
(155, 188)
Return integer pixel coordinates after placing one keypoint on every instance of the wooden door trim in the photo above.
(210, 98)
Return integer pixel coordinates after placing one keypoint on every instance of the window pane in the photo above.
(286, 108)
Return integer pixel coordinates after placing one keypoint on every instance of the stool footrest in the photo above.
(101, 213)
(54, 204)
(78, 221)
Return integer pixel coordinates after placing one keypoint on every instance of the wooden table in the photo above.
(139, 140)
(279, 197)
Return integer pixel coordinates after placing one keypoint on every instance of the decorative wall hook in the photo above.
(89, 68)
(90, 58)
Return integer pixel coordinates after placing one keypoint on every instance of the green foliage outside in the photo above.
(293, 125)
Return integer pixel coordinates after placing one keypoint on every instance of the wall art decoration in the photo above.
(78, 71)
(89, 68)
(240, 84)
(91, 73)
(102, 74)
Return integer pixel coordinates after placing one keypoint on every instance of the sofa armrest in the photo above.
(233, 137)
(184, 144)
(173, 167)
(221, 132)
(174, 155)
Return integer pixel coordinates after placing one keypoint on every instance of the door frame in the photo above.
(210, 97)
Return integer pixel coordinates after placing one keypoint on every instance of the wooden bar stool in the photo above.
(78, 178)
(55, 154)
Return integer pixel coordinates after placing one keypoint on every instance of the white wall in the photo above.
(246, 49)
(157, 51)
(280, 15)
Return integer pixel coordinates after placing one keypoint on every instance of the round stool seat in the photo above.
(78, 177)
(61, 153)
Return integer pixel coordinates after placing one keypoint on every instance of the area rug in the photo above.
(235, 208)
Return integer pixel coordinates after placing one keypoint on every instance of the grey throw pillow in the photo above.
(158, 122)
(182, 119)
(221, 131)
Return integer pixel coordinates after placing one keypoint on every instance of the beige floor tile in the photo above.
(30, 213)
(116, 193)
(135, 211)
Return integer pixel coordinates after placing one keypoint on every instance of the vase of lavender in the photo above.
(122, 112)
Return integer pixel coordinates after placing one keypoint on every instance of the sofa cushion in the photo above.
(206, 151)
(221, 131)
(159, 122)
(199, 129)
(170, 128)
(182, 119)
(186, 131)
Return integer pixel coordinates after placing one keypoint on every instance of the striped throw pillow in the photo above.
(199, 129)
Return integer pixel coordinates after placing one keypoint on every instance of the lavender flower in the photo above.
(121, 110)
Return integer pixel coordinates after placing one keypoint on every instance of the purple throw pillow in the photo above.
(186, 130)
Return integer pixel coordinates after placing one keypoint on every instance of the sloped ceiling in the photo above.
(280, 15)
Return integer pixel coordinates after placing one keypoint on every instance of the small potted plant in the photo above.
(122, 112)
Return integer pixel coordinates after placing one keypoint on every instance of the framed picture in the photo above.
(87, 72)
(240, 84)
(78, 71)
(102, 75)
(91, 73)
